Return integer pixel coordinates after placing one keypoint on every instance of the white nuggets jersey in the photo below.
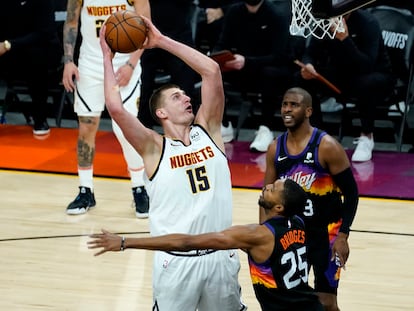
(190, 191)
(93, 15)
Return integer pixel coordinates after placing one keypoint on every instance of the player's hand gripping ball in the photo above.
(125, 31)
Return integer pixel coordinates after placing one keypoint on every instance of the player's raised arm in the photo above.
(147, 142)
(210, 113)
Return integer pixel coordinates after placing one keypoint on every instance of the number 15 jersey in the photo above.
(190, 192)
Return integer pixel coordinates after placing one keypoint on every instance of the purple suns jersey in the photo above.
(324, 203)
(281, 282)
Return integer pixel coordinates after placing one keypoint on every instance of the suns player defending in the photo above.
(276, 248)
(86, 80)
(318, 163)
(187, 179)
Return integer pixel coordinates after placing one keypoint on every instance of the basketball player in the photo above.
(318, 163)
(86, 80)
(276, 248)
(187, 178)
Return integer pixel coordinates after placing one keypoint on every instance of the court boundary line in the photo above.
(65, 236)
(147, 232)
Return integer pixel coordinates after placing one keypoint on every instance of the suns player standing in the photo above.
(318, 163)
(86, 81)
(188, 181)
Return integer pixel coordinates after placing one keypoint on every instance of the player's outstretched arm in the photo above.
(247, 237)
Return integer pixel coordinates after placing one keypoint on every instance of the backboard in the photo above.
(332, 8)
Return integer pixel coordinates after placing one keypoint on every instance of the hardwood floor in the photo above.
(45, 264)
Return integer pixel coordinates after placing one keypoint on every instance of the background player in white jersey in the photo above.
(188, 181)
(86, 80)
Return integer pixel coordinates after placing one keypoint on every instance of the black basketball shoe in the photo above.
(141, 202)
(83, 202)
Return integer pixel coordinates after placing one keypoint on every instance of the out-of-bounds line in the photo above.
(383, 232)
(65, 236)
(147, 232)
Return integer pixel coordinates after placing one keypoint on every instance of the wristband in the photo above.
(128, 63)
(122, 248)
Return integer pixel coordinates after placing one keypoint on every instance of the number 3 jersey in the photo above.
(324, 206)
(281, 282)
(190, 192)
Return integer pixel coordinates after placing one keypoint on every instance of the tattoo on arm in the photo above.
(70, 31)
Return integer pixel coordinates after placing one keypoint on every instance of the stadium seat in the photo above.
(397, 27)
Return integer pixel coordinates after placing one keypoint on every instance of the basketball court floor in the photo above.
(45, 263)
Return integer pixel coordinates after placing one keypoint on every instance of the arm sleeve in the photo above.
(346, 182)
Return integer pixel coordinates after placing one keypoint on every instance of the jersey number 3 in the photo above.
(308, 212)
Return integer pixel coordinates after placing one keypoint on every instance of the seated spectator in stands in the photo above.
(358, 64)
(401, 4)
(29, 48)
(210, 22)
(257, 33)
(173, 18)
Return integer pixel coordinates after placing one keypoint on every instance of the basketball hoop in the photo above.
(305, 24)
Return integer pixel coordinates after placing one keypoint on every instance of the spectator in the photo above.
(86, 80)
(402, 4)
(257, 33)
(174, 18)
(318, 163)
(357, 63)
(188, 180)
(267, 246)
(210, 22)
(29, 50)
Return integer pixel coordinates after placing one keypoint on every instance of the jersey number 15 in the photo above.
(198, 179)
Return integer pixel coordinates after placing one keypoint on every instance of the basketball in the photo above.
(125, 31)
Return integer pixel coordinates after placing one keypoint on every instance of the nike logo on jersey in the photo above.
(279, 158)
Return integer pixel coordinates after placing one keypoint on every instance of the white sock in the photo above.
(86, 177)
(137, 177)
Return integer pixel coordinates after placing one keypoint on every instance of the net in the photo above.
(305, 24)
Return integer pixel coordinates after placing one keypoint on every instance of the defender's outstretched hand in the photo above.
(109, 242)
